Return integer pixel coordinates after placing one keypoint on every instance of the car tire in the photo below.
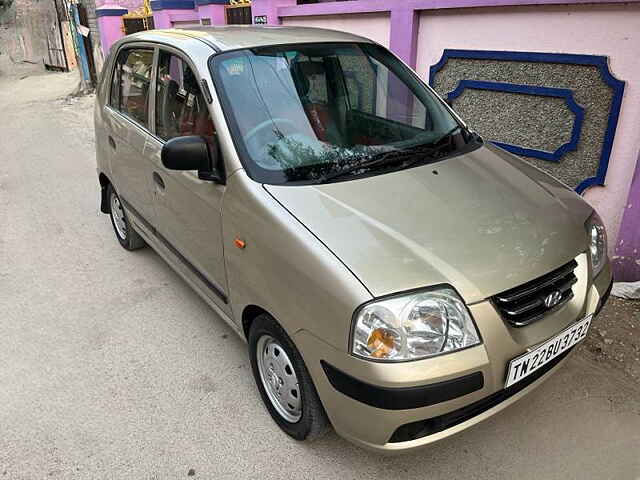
(126, 235)
(267, 338)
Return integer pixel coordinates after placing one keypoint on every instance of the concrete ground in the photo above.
(112, 367)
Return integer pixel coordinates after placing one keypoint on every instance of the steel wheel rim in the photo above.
(279, 378)
(117, 213)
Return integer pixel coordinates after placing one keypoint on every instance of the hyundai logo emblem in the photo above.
(552, 299)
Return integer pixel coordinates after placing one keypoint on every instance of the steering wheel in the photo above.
(267, 123)
(260, 140)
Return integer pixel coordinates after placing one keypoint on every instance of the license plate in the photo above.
(531, 361)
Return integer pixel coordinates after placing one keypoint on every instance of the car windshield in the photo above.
(315, 113)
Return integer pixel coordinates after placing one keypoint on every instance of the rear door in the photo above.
(188, 209)
(127, 119)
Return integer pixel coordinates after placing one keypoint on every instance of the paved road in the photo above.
(111, 367)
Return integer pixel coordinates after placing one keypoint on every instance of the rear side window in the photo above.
(180, 105)
(130, 84)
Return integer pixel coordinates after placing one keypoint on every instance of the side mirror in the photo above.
(193, 153)
(449, 102)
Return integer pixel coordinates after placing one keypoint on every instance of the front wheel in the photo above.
(284, 383)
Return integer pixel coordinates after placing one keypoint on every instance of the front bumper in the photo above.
(400, 407)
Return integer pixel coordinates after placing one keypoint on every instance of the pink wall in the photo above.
(110, 27)
(269, 9)
(612, 30)
(166, 18)
(371, 25)
(110, 32)
(214, 12)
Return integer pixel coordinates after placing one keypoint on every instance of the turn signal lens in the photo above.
(382, 343)
(597, 243)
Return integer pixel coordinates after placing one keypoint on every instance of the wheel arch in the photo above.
(105, 207)
(249, 314)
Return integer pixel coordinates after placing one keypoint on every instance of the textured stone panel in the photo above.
(584, 80)
(547, 126)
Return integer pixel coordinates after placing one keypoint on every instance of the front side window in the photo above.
(181, 108)
(130, 84)
(316, 113)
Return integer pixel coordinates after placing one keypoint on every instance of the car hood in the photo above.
(483, 222)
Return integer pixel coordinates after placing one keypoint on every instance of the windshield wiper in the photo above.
(411, 156)
(387, 158)
(375, 161)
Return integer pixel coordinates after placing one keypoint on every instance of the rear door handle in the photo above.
(112, 142)
(158, 179)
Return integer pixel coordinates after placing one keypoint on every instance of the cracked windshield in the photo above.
(330, 112)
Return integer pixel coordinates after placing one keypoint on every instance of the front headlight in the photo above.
(597, 243)
(412, 326)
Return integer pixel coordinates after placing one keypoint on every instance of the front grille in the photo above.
(529, 302)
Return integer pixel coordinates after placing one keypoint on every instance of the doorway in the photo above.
(238, 14)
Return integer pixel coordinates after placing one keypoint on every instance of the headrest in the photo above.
(301, 71)
(310, 68)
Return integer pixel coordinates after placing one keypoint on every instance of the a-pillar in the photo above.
(109, 19)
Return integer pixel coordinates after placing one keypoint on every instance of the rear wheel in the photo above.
(284, 383)
(126, 235)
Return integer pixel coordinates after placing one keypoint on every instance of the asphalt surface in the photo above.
(112, 367)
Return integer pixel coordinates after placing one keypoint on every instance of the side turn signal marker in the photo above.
(239, 243)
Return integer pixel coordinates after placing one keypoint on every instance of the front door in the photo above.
(188, 209)
(127, 121)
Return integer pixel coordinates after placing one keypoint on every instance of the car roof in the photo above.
(232, 37)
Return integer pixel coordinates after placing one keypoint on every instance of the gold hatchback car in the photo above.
(394, 275)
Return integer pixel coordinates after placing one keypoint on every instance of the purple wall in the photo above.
(213, 12)
(165, 18)
(109, 18)
(626, 260)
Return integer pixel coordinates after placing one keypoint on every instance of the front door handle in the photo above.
(112, 142)
(158, 179)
